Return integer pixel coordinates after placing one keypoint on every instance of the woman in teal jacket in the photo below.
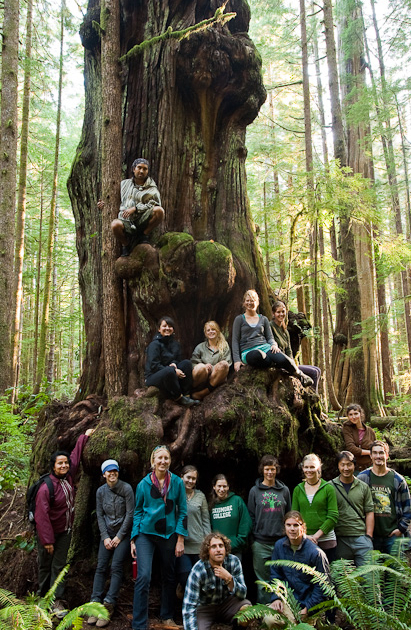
(316, 500)
(229, 515)
(160, 522)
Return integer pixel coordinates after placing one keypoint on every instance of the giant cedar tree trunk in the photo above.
(185, 108)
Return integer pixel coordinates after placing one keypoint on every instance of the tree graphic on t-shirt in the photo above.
(271, 501)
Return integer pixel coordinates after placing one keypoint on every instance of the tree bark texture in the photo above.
(114, 335)
(8, 169)
(41, 365)
(21, 200)
(185, 108)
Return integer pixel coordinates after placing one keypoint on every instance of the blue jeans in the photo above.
(145, 547)
(385, 545)
(355, 548)
(117, 557)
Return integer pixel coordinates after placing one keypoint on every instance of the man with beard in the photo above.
(54, 519)
(140, 209)
(215, 589)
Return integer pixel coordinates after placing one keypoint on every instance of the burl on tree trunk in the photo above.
(186, 106)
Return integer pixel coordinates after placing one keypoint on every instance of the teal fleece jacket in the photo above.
(231, 518)
(153, 516)
(323, 511)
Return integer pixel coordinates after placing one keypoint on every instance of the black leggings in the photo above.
(167, 380)
(277, 360)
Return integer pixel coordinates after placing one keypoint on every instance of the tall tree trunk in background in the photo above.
(185, 107)
(114, 336)
(338, 361)
(50, 243)
(405, 167)
(21, 199)
(324, 303)
(384, 123)
(360, 267)
(8, 169)
(38, 282)
(50, 373)
(310, 178)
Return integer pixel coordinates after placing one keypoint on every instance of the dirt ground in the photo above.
(18, 569)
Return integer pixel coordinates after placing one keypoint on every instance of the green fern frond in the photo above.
(74, 617)
(7, 598)
(253, 612)
(50, 596)
(317, 576)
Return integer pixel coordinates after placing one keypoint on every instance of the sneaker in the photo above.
(60, 609)
(186, 401)
(92, 620)
(305, 380)
(102, 623)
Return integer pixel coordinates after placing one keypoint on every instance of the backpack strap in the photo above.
(345, 497)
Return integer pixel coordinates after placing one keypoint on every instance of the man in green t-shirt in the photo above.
(391, 498)
(355, 525)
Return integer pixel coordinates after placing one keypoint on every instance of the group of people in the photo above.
(200, 543)
(256, 342)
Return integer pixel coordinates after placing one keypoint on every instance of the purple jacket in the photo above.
(58, 517)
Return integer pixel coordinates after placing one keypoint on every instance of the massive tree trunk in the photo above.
(185, 108)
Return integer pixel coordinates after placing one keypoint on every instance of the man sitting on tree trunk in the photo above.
(140, 209)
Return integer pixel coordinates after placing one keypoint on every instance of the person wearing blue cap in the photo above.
(140, 209)
(115, 508)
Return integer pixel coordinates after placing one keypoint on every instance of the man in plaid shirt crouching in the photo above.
(215, 589)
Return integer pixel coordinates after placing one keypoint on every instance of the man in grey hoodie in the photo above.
(268, 501)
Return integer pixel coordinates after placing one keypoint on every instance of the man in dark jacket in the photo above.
(295, 546)
(54, 519)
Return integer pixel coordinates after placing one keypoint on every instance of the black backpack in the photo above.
(32, 493)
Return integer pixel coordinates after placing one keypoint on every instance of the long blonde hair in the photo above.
(221, 341)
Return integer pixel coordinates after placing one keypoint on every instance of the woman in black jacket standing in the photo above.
(164, 367)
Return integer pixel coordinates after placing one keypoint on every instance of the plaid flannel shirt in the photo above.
(204, 588)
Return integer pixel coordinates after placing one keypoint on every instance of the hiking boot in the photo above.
(169, 623)
(186, 401)
(305, 380)
(125, 251)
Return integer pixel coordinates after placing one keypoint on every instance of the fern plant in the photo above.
(375, 596)
(35, 613)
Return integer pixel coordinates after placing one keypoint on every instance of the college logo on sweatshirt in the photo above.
(271, 502)
(222, 512)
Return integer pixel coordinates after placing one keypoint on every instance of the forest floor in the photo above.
(18, 568)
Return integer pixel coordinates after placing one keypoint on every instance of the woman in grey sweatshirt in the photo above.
(115, 509)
